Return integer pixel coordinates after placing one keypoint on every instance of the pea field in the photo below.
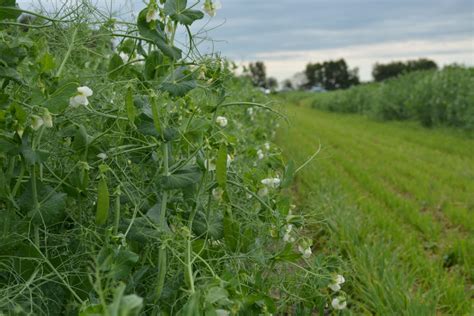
(140, 175)
(395, 197)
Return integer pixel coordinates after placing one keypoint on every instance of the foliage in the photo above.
(331, 75)
(258, 74)
(401, 221)
(129, 176)
(382, 72)
(431, 97)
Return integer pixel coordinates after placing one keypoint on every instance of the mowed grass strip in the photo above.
(398, 207)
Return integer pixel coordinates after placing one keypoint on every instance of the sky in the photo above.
(287, 34)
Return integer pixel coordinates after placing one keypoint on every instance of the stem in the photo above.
(175, 27)
(117, 212)
(34, 193)
(71, 45)
(188, 259)
(162, 255)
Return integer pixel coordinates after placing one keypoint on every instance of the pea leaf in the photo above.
(176, 9)
(181, 178)
(178, 89)
(10, 74)
(59, 99)
(47, 62)
(8, 10)
(153, 65)
(289, 174)
(115, 66)
(154, 33)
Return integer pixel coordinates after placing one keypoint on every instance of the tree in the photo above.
(287, 84)
(272, 83)
(382, 72)
(258, 74)
(331, 75)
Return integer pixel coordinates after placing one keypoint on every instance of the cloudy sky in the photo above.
(287, 34)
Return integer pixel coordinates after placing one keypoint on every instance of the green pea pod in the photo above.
(103, 201)
(156, 116)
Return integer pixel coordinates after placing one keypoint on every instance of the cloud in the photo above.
(282, 64)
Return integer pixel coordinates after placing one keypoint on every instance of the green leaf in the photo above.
(181, 179)
(9, 10)
(211, 225)
(115, 66)
(231, 232)
(154, 33)
(287, 254)
(59, 99)
(217, 295)
(288, 175)
(154, 212)
(103, 201)
(131, 110)
(47, 62)
(146, 127)
(8, 145)
(51, 209)
(31, 156)
(176, 9)
(153, 65)
(178, 89)
(10, 74)
(221, 166)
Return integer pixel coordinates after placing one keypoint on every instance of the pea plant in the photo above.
(137, 175)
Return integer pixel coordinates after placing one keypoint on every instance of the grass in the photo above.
(397, 204)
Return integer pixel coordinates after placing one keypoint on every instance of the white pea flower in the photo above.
(271, 182)
(250, 111)
(102, 156)
(306, 252)
(339, 303)
(221, 121)
(151, 15)
(267, 146)
(222, 312)
(209, 165)
(217, 193)
(81, 97)
(260, 154)
(287, 237)
(36, 122)
(211, 7)
(47, 118)
(229, 160)
(336, 283)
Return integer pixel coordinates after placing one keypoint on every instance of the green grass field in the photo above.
(396, 201)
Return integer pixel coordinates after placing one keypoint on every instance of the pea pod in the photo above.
(103, 202)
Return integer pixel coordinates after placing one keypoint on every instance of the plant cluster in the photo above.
(381, 72)
(433, 98)
(138, 177)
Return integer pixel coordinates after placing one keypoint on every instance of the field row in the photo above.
(398, 198)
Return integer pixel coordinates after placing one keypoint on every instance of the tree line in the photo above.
(334, 74)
